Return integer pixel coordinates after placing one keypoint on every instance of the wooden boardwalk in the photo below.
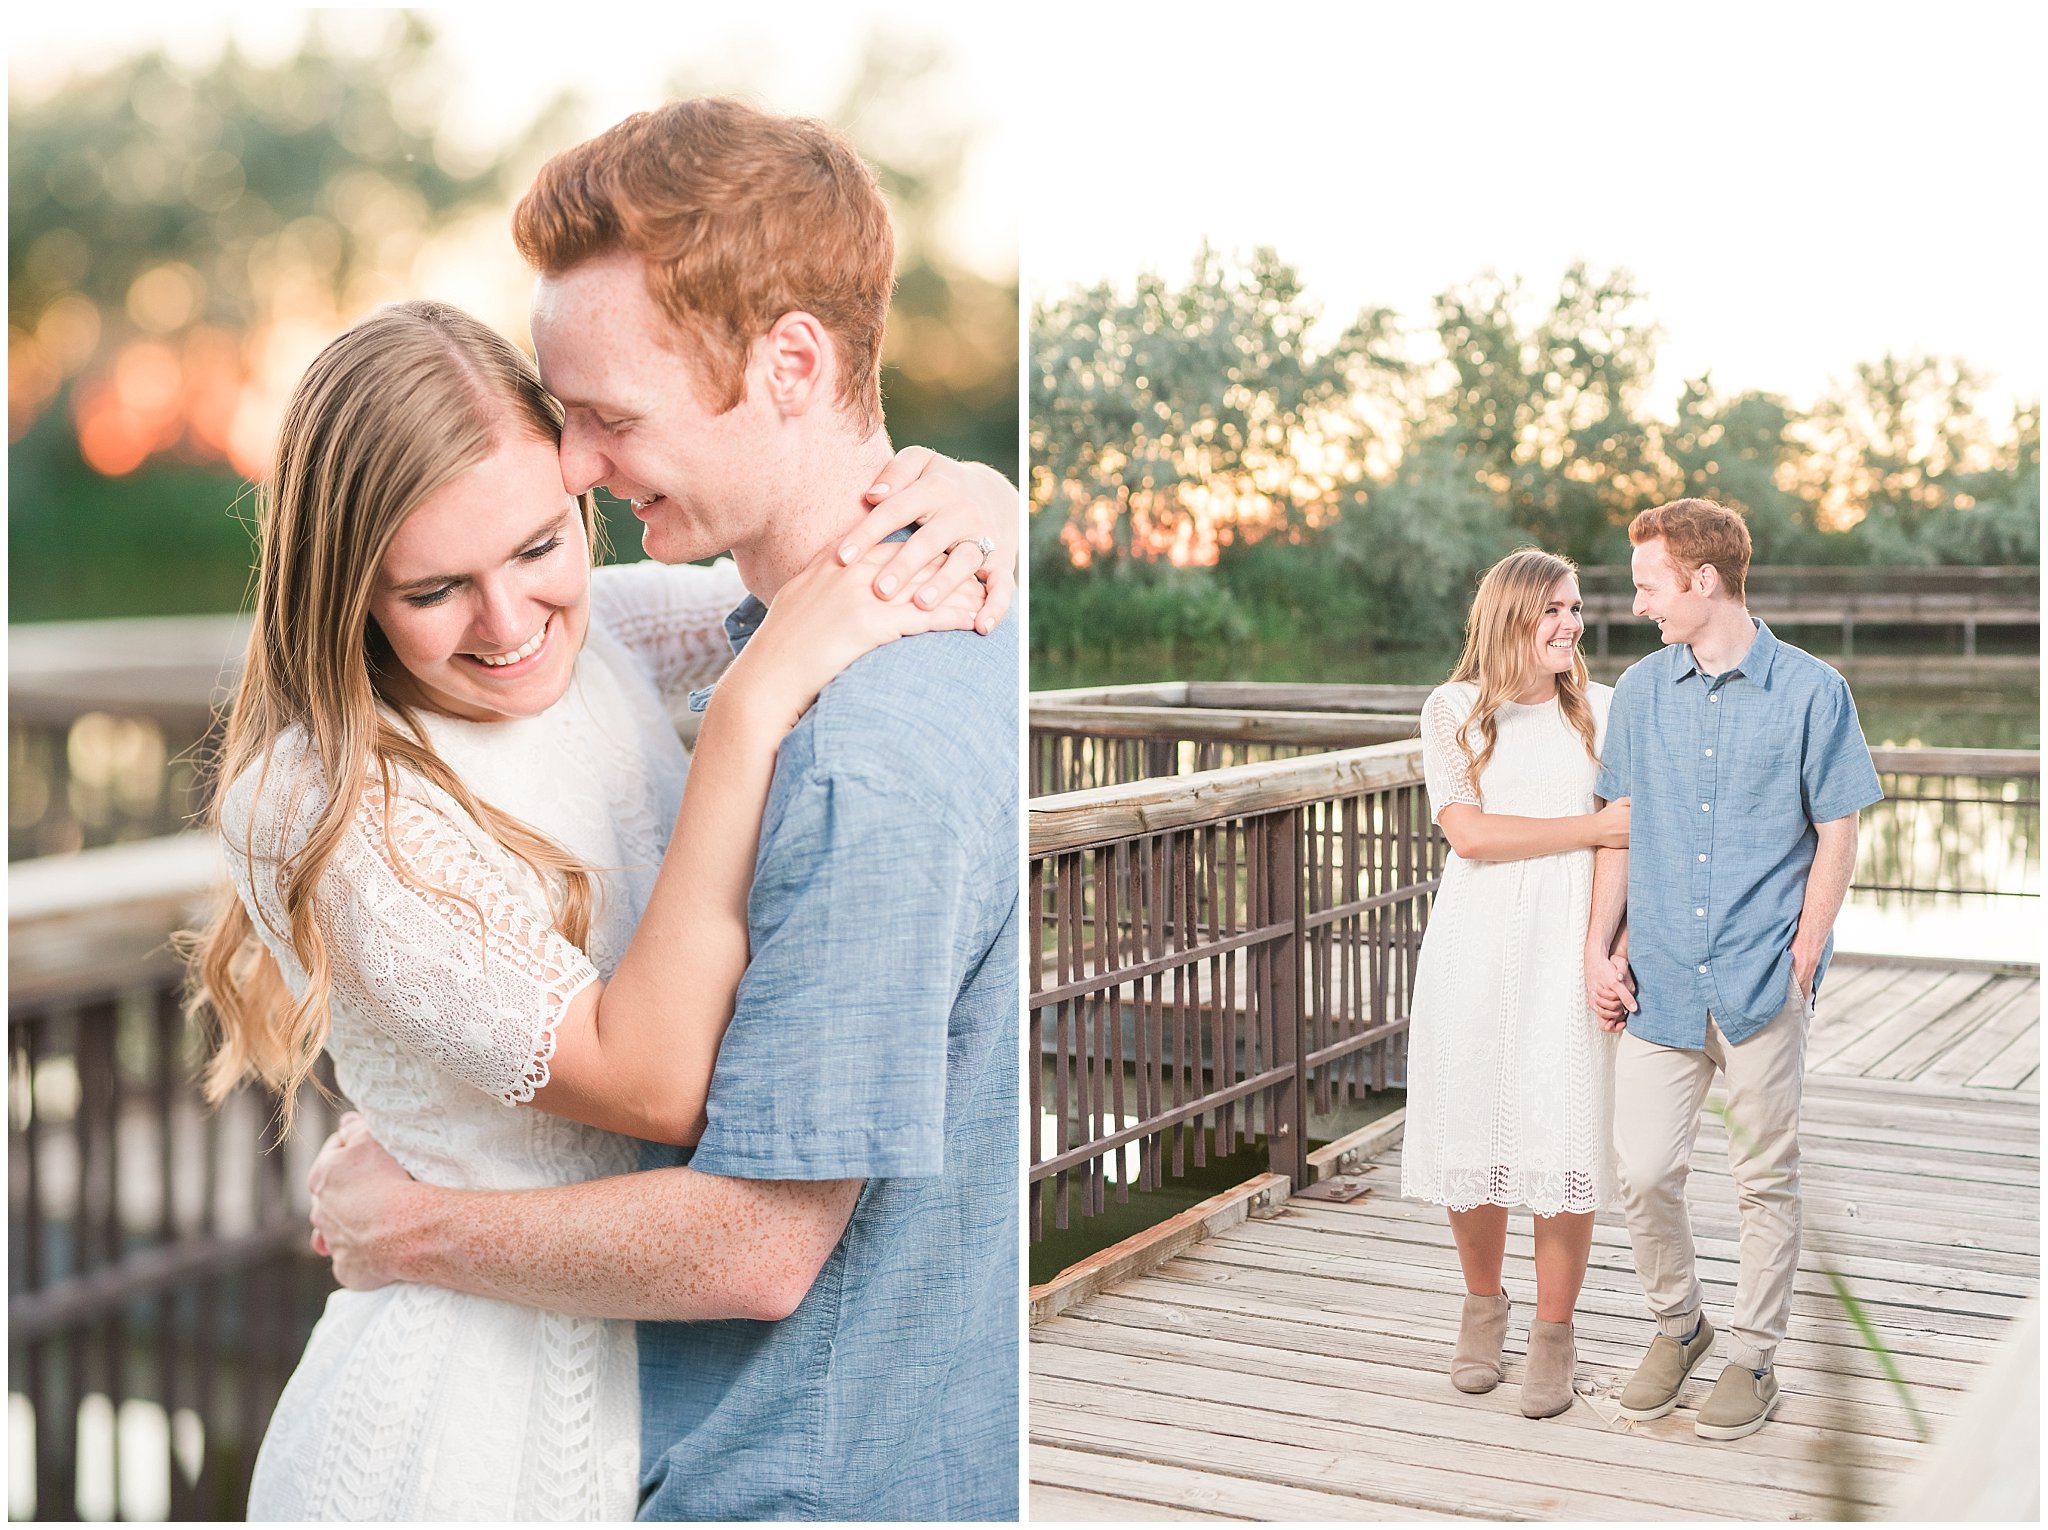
(1292, 1367)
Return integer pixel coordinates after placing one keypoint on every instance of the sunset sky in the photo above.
(1798, 188)
(508, 60)
(225, 393)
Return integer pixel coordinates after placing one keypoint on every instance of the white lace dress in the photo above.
(414, 1403)
(1510, 1078)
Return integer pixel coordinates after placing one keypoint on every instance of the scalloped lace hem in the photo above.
(535, 1076)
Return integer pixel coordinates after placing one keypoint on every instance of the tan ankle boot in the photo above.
(1547, 1382)
(1475, 1363)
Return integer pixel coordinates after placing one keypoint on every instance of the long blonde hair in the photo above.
(1499, 633)
(391, 411)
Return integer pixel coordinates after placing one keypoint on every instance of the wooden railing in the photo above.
(1217, 957)
(108, 725)
(1954, 821)
(160, 1288)
(1219, 949)
(1791, 596)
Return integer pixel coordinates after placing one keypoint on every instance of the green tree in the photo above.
(1547, 411)
(161, 221)
(1183, 418)
(1742, 452)
(1895, 447)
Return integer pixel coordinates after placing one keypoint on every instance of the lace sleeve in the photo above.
(426, 939)
(429, 941)
(1445, 771)
(670, 618)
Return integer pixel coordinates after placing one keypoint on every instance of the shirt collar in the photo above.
(1755, 665)
(741, 624)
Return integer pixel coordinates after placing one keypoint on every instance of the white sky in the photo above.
(1798, 187)
(509, 59)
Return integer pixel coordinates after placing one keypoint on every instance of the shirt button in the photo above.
(1710, 754)
(1702, 857)
(1703, 966)
(1706, 807)
(1699, 913)
(1715, 699)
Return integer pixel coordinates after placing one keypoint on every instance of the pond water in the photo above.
(1908, 697)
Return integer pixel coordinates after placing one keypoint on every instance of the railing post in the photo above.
(1287, 1111)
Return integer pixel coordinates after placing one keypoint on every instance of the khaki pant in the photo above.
(1658, 1091)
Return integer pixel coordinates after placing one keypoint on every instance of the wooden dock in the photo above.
(1292, 1366)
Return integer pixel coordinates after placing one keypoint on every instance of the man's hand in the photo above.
(1805, 963)
(354, 1184)
(1611, 989)
(1827, 884)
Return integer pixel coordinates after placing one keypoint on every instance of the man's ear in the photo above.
(800, 363)
(1706, 580)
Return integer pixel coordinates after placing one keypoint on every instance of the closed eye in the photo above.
(534, 554)
(431, 597)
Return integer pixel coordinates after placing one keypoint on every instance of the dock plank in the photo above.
(1293, 1367)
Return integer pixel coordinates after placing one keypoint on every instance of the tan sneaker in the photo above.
(1740, 1404)
(1653, 1391)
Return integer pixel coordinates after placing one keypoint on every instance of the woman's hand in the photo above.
(1610, 826)
(953, 505)
(823, 619)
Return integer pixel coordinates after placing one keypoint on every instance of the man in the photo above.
(713, 287)
(1745, 768)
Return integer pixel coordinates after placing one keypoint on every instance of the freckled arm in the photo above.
(1827, 885)
(664, 1244)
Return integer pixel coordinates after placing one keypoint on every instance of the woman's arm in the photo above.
(635, 1054)
(1478, 835)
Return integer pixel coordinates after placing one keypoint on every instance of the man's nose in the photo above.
(1637, 607)
(584, 466)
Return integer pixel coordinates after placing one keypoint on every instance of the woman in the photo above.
(1510, 1080)
(450, 777)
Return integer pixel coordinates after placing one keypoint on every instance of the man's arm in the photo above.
(1609, 985)
(664, 1244)
(1827, 884)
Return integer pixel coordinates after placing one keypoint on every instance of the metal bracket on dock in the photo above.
(1341, 1189)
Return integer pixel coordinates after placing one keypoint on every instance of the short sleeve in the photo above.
(427, 941)
(1837, 776)
(670, 618)
(1617, 775)
(834, 1066)
(1446, 772)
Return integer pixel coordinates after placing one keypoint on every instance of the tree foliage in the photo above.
(1169, 421)
(1340, 486)
(180, 238)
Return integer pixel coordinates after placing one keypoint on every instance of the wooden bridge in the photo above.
(1788, 596)
(1229, 908)
(1292, 1366)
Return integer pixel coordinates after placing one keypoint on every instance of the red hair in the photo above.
(741, 217)
(1695, 532)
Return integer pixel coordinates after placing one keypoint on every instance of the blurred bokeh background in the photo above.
(199, 198)
(193, 215)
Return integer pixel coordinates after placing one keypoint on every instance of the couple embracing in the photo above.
(684, 1175)
(1641, 893)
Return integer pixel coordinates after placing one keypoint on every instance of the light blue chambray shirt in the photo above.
(874, 1037)
(1726, 776)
